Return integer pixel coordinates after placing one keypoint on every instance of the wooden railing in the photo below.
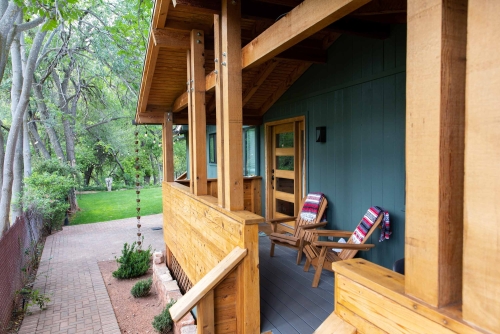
(251, 191)
(205, 287)
(201, 235)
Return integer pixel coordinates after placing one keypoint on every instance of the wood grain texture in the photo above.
(391, 285)
(232, 105)
(190, 118)
(301, 22)
(168, 148)
(219, 114)
(199, 126)
(204, 288)
(434, 149)
(335, 325)
(173, 39)
(481, 283)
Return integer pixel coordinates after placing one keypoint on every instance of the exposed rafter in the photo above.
(259, 78)
(149, 118)
(169, 38)
(197, 6)
(283, 87)
(312, 15)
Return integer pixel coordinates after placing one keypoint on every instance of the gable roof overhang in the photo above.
(265, 76)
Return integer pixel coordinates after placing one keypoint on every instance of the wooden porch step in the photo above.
(335, 325)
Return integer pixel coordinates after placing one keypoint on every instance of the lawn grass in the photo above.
(104, 206)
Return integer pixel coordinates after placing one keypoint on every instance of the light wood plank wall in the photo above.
(481, 278)
(200, 234)
(435, 89)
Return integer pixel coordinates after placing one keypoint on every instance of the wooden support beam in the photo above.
(283, 87)
(435, 104)
(301, 22)
(232, 104)
(147, 75)
(168, 148)
(219, 114)
(198, 113)
(190, 120)
(149, 118)
(481, 255)
(182, 119)
(259, 79)
(181, 102)
(160, 14)
(205, 311)
(171, 39)
(197, 6)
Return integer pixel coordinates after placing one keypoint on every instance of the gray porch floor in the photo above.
(288, 303)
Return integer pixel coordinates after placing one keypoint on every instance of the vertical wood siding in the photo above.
(360, 97)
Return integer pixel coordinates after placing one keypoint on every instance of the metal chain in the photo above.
(138, 189)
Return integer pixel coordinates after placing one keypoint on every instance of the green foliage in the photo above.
(163, 323)
(46, 191)
(34, 297)
(133, 262)
(142, 288)
(105, 206)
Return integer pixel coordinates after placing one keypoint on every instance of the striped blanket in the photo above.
(367, 222)
(311, 206)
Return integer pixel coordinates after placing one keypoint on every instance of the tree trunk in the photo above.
(2, 155)
(37, 141)
(87, 175)
(153, 168)
(26, 147)
(47, 121)
(15, 128)
(15, 93)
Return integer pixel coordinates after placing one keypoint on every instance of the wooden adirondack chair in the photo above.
(300, 235)
(320, 255)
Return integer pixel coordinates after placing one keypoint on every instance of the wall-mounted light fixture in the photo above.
(321, 134)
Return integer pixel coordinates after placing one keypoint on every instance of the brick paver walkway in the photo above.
(69, 274)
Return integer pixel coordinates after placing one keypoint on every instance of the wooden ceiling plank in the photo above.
(172, 39)
(301, 22)
(283, 87)
(261, 76)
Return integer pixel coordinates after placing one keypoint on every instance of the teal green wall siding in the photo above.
(360, 97)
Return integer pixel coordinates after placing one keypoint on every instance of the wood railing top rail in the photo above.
(243, 217)
(206, 284)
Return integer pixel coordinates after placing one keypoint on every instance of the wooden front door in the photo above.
(285, 167)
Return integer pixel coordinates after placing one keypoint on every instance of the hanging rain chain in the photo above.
(138, 190)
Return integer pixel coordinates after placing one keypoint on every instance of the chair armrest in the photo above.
(280, 220)
(310, 226)
(332, 233)
(342, 245)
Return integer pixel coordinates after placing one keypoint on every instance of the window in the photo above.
(212, 148)
(249, 152)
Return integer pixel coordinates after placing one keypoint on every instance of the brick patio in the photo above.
(69, 274)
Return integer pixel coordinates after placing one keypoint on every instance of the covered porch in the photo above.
(412, 85)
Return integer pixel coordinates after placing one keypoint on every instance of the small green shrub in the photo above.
(133, 262)
(142, 288)
(163, 323)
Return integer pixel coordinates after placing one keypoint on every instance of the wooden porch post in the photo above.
(481, 283)
(219, 115)
(198, 114)
(168, 149)
(435, 105)
(190, 121)
(232, 108)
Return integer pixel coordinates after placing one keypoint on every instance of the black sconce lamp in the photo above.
(321, 134)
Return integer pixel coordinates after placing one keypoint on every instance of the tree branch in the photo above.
(105, 121)
(29, 25)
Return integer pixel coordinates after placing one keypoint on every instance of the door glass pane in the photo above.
(284, 185)
(284, 140)
(284, 207)
(284, 162)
